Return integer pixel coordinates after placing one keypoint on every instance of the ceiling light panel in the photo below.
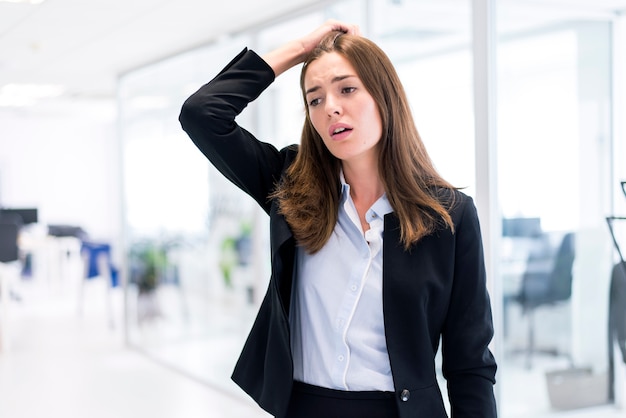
(23, 1)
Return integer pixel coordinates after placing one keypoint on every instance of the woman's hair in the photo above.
(309, 193)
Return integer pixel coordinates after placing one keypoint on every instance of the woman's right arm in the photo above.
(208, 116)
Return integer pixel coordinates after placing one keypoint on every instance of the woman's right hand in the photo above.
(295, 52)
(310, 41)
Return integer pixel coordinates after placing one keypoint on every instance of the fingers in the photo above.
(312, 39)
(348, 28)
(295, 52)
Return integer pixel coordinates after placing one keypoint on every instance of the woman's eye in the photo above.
(314, 102)
(348, 89)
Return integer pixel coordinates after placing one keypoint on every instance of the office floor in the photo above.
(61, 364)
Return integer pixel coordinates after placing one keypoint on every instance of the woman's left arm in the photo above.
(468, 365)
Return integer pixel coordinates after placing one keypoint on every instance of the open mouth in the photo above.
(339, 131)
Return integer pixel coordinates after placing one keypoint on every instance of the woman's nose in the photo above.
(332, 106)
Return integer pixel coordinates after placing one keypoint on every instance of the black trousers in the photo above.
(309, 401)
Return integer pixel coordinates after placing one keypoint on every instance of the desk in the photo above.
(53, 259)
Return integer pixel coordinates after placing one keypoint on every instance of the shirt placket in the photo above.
(352, 296)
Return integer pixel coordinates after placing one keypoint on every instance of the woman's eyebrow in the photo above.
(334, 80)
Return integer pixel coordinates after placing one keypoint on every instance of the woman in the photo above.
(375, 258)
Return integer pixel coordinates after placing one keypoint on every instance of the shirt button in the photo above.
(340, 358)
(405, 395)
(353, 288)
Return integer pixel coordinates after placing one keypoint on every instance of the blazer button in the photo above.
(405, 395)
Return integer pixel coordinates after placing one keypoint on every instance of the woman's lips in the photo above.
(339, 131)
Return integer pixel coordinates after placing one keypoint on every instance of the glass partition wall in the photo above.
(190, 269)
(555, 189)
(197, 248)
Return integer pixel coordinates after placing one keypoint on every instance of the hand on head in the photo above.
(296, 51)
(310, 41)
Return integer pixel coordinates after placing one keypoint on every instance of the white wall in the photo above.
(64, 161)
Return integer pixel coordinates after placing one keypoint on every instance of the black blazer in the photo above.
(434, 292)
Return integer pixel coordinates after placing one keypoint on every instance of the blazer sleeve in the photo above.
(468, 365)
(208, 117)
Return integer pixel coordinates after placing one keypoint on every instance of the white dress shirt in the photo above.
(337, 325)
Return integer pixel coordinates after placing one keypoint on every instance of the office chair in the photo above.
(544, 284)
(617, 305)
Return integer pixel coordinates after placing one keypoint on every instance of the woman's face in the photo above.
(341, 110)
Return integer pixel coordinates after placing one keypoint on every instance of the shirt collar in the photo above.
(345, 187)
(381, 207)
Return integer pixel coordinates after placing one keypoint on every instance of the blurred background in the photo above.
(131, 271)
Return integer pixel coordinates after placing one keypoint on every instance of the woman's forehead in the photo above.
(326, 69)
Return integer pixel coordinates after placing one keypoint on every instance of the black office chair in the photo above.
(546, 282)
(617, 305)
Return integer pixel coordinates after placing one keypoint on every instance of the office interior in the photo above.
(519, 102)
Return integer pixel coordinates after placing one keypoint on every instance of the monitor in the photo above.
(28, 215)
(521, 227)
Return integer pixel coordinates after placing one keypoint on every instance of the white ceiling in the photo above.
(84, 44)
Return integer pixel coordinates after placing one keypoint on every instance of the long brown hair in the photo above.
(309, 192)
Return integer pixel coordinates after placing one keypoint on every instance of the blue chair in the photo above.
(98, 263)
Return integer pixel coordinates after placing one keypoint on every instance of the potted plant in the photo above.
(148, 261)
(235, 251)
